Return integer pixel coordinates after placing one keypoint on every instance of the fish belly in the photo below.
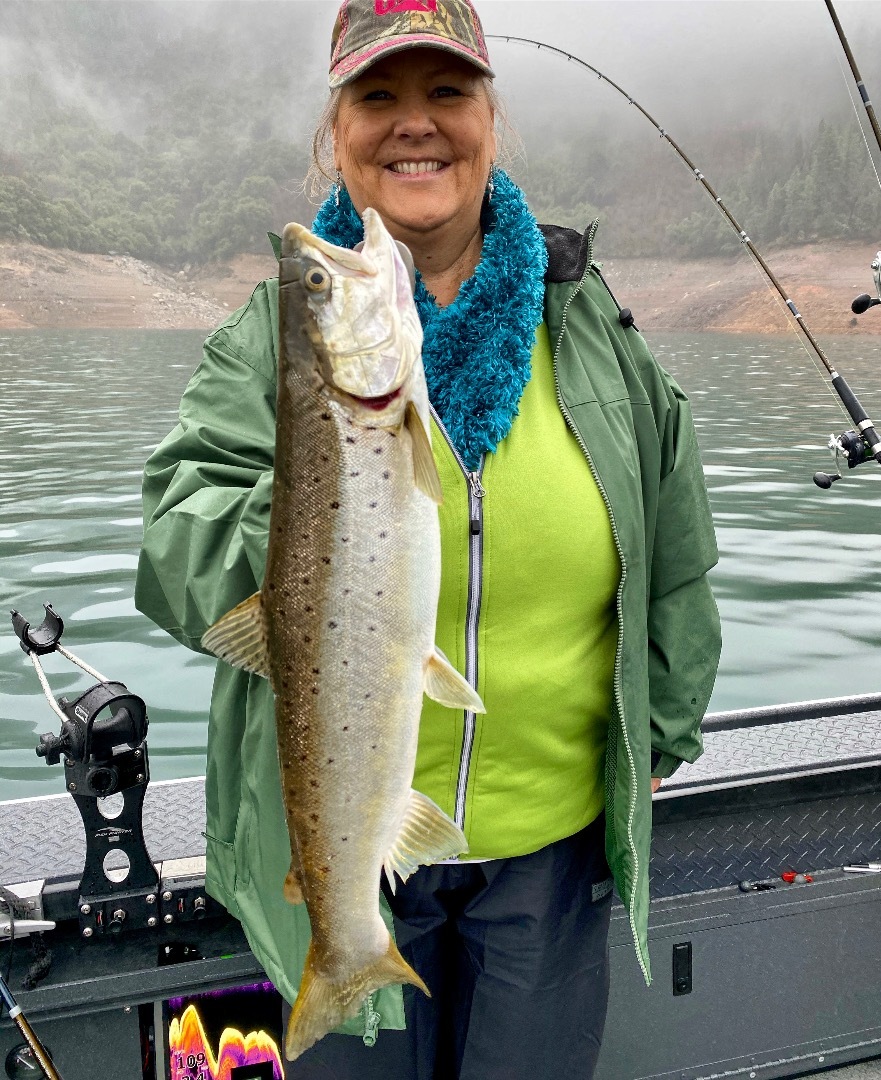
(351, 599)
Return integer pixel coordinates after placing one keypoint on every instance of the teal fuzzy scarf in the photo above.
(476, 351)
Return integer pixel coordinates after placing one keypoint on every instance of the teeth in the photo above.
(416, 166)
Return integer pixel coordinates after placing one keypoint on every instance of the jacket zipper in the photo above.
(371, 1020)
(476, 495)
(616, 682)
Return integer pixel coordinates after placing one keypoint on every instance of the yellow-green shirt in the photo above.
(546, 634)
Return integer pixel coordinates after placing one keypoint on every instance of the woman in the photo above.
(576, 538)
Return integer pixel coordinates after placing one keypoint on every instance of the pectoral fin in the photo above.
(426, 836)
(445, 685)
(239, 637)
(424, 469)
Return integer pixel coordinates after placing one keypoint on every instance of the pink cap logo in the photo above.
(392, 7)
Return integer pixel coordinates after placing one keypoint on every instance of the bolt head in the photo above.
(71, 786)
(168, 918)
(126, 1008)
(140, 778)
(119, 914)
(86, 909)
(152, 920)
(88, 931)
(137, 754)
(167, 895)
(151, 898)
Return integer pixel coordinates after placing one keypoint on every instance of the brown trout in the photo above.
(343, 625)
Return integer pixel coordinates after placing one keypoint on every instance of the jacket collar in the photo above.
(569, 253)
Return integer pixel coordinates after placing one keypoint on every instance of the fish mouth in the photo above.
(378, 403)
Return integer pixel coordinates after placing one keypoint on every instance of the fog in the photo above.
(742, 85)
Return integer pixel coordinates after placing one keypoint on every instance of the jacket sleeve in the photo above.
(207, 486)
(683, 621)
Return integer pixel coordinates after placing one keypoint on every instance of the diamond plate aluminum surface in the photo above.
(709, 853)
(44, 837)
(766, 750)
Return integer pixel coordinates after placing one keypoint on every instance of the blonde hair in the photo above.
(322, 173)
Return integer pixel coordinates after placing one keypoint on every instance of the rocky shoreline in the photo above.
(43, 288)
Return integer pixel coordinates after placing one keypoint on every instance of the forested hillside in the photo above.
(153, 130)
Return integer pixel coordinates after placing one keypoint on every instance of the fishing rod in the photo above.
(37, 1051)
(855, 446)
(858, 79)
(864, 301)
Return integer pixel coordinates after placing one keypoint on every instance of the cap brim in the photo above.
(352, 66)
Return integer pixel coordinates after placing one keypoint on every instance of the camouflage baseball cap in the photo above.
(365, 30)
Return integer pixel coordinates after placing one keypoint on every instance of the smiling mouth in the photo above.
(416, 168)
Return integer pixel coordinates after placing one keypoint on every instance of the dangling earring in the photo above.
(491, 183)
(339, 187)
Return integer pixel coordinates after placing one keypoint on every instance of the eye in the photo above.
(378, 95)
(447, 91)
(316, 279)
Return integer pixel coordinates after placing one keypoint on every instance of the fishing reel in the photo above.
(850, 446)
(104, 749)
(864, 302)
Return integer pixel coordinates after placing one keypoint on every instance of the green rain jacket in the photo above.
(206, 512)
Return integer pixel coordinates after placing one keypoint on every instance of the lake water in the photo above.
(798, 582)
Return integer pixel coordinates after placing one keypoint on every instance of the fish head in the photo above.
(361, 318)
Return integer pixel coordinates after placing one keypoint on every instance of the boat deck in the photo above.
(795, 785)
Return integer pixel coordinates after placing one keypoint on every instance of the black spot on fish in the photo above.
(314, 783)
(304, 757)
(373, 747)
(344, 838)
(330, 761)
(383, 535)
(334, 506)
(377, 449)
(325, 416)
(307, 581)
(345, 727)
(304, 536)
(346, 592)
(344, 539)
(313, 817)
(324, 457)
(316, 479)
(326, 560)
(386, 475)
(316, 671)
(371, 627)
(271, 587)
(372, 558)
(285, 593)
(332, 625)
(282, 613)
(379, 593)
(307, 639)
(373, 506)
(350, 439)
(355, 473)
(366, 696)
(314, 689)
(279, 529)
(309, 609)
(345, 663)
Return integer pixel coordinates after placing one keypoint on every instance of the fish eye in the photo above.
(316, 279)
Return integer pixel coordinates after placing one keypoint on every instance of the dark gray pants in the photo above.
(515, 953)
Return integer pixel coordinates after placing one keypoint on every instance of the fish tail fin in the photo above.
(323, 1004)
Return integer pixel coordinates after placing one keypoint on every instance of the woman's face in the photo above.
(414, 139)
